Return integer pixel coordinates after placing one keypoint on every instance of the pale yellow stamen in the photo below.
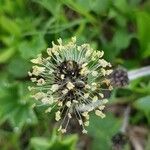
(88, 53)
(69, 116)
(85, 114)
(33, 79)
(68, 104)
(108, 72)
(101, 95)
(87, 86)
(80, 122)
(62, 76)
(60, 104)
(48, 110)
(55, 87)
(73, 39)
(86, 95)
(63, 130)
(38, 60)
(110, 87)
(103, 71)
(100, 54)
(95, 98)
(94, 73)
(100, 113)
(84, 65)
(29, 73)
(75, 101)
(45, 100)
(65, 91)
(57, 116)
(59, 41)
(37, 70)
(84, 131)
(30, 88)
(86, 123)
(101, 107)
(84, 71)
(94, 86)
(105, 101)
(70, 85)
(49, 51)
(39, 95)
(41, 82)
(103, 63)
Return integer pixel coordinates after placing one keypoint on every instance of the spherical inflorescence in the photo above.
(70, 77)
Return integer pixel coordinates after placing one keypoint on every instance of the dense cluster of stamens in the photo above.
(71, 77)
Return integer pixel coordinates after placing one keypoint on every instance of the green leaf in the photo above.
(102, 130)
(143, 24)
(19, 67)
(121, 39)
(23, 115)
(80, 9)
(146, 53)
(122, 5)
(6, 54)
(10, 26)
(143, 104)
(51, 5)
(56, 142)
(16, 107)
(39, 143)
(30, 49)
(94, 5)
(99, 6)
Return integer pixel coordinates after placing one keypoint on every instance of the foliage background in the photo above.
(27, 27)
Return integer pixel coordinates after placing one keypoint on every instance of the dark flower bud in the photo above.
(119, 77)
(119, 139)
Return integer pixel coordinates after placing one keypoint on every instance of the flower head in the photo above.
(71, 77)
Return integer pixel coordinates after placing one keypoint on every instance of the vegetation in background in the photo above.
(27, 27)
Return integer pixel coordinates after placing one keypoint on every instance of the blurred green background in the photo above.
(119, 27)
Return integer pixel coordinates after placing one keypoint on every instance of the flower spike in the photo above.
(70, 77)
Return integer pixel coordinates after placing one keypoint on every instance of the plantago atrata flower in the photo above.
(70, 77)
